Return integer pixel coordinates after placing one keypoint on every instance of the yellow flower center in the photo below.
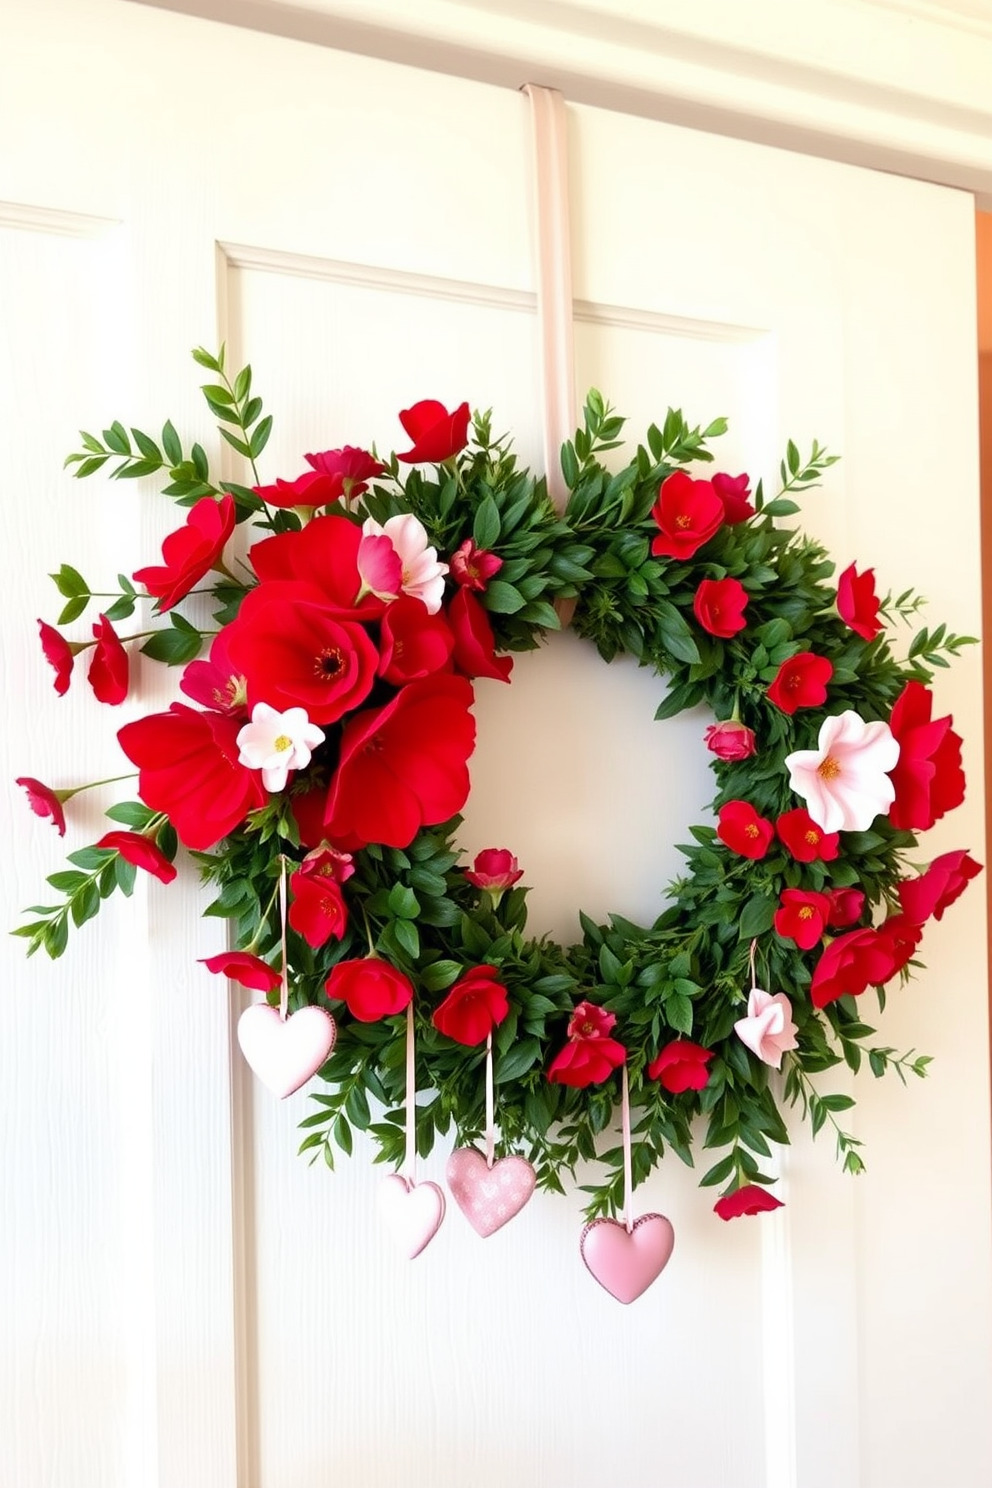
(683, 521)
(812, 836)
(805, 913)
(283, 743)
(750, 830)
(829, 769)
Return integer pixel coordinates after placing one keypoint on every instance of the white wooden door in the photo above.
(183, 1303)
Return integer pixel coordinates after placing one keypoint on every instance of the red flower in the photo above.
(681, 1066)
(495, 869)
(719, 606)
(846, 906)
(734, 491)
(412, 642)
(188, 768)
(324, 554)
(404, 766)
(730, 740)
(312, 488)
(44, 801)
(944, 881)
(475, 647)
(857, 602)
(354, 466)
(901, 938)
(473, 567)
(242, 966)
(474, 1006)
(108, 673)
(856, 960)
(747, 1200)
(295, 652)
(436, 433)
(59, 653)
(688, 512)
(216, 683)
(191, 552)
(807, 842)
(590, 1054)
(803, 917)
(318, 910)
(372, 988)
(801, 682)
(741, 829)
(141, 851)
(928, 777)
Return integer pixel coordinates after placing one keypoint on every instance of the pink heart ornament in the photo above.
(284, 1054)
(627, 1262)
(489, 1197)
(412, 1212)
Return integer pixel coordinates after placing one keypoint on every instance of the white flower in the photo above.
(844, 782)
(423, 575)
(768, 1029)
(276, 743)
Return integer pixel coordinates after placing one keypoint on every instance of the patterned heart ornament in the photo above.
(284, 1053)
(412, 1212)
(488, 1197)
(627, 1262)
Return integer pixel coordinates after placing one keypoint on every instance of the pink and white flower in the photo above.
(276, 743)
(845, 781)
(421, 574)
(768, 1029)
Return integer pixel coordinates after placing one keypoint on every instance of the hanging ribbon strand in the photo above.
(410, 1162)
(284, 976)
(490, 1104)
(628, 1182)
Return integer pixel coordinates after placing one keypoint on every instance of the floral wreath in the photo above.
(317, 764)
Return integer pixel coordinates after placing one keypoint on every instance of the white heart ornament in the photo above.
(412, 1212)
(285, 1053)
(489, 1197)
(627, 1262)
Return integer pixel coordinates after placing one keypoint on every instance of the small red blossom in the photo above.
(354, 468)
(740, 828)
(412, 642)
(436, 433)
(59, 653)
(473, 1008)
(857, 602)
(801, 682)
(928, 777)
(108, 673)
(735, 493)
(807, 842)
(862, 958)
(681, 1066)
(802, 917)
(241, 966)
(475, 645)
(901, 938)
(371, 988)
(933, 891)
(688, 512)
(473, 567)
(141, 851)
(313, 488)
(846, 906)
(216, 683)
(318, 910)
(730, 740)
(719, 606)
(191, 552)
(495, 869)
(590, 1055)
(45, 802)
(751, 1199)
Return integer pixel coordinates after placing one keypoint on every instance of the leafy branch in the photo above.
(821, 1109)
(233, 403)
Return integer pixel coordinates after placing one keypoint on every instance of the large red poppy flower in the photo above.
(403, 766)
(324, 554)
(928, 777)
(188, 768)
(295, 652)
(191, 552)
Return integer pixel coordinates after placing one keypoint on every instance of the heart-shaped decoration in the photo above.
(627, 1262)
(412, 1211)
(284, 1054)
(488, 1197)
